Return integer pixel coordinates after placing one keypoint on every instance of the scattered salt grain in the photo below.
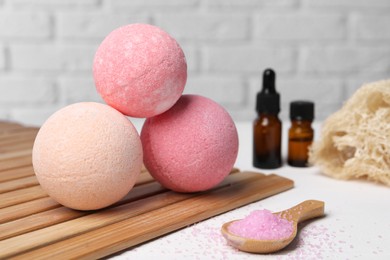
(262, 225)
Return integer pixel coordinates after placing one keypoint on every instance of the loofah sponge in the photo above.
(355, 141)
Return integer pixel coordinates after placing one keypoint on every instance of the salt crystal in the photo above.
(262, 225)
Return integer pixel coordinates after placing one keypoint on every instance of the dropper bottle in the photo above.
(267, 127)
(301, 133)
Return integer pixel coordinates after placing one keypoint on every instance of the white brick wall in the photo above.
(52, 57)
(94, 25)
(300, 26)
(322, 50)
(2, 58)
(27, 90)
(24, 25)
(249, 59)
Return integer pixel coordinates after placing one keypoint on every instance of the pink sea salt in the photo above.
(262, 225)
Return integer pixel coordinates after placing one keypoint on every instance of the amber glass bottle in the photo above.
(300, 134)
(267, 128)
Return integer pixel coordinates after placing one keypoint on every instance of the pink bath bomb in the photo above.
(140, 70)
(191, 147)
(87, 156)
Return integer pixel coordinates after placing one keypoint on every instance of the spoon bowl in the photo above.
(299, 213)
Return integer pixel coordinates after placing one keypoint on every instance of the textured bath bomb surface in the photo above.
(87, 156)
(191, 147)
(140, 70)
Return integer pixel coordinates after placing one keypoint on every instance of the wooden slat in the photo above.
(26, 209)
(34, 226)
(135, 230)
(8, 127)
(20, 196)
(51, 217)
(24, 220)
(18, 184)
(16, 154)
(100, 219)
(144, 177)
(15, 162)
(62, 214)
(71, 228)
(16, 173)
(16, 146)
(18, 136)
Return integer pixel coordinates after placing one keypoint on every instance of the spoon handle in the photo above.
(303, 211)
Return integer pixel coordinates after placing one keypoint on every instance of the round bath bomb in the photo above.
(140, 70)
(87, 156)
(191, 147)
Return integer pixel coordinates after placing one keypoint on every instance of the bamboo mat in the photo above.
(33, 226)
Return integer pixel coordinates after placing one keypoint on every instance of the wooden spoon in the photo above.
(299, 213)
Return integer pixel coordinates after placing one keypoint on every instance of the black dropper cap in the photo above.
(268, 100)
(302, 110)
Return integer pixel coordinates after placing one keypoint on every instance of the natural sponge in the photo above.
(355, 141)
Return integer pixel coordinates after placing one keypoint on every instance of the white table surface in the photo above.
(356, 225)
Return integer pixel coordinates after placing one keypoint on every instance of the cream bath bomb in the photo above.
(87, 156)
(140, 70)
(191, 147)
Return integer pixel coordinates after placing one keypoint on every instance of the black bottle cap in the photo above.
(268, 100)
(302, 110)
